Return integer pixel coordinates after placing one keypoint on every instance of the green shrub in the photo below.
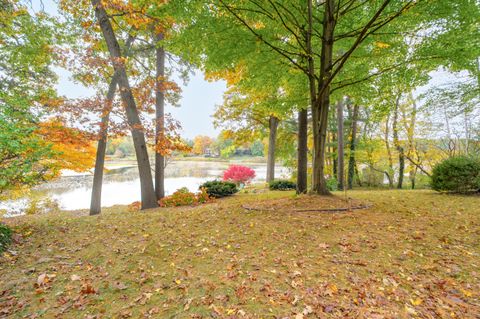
(458, 174)
(5, 237)
(282, 185)
(332, 184)
(219, 189)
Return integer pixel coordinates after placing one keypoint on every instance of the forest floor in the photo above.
(412, 254)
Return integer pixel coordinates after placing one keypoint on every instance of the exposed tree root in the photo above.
(340, 209)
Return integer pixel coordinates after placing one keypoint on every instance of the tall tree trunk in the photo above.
(411, 139)
(302, 151)
(148, 197)
(340, 147)
(389, 152)
(396, 141)
(335, 157)
(272, 137)
(96, 199)
(353, 144)
(302, 158)
(160, 119)
(322, 103)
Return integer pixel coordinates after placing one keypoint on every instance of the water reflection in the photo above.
(122, 185)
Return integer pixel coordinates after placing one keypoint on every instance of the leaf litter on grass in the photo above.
(413, 254)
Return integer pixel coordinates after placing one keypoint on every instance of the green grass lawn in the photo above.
(413, 254)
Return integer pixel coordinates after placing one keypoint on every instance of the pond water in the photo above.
(122, 186)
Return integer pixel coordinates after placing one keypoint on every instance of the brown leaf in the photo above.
(87, 288)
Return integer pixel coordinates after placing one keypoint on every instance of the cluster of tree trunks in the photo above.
(149, 194)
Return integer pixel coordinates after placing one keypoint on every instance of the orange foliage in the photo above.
(201, 144)
(73, 147)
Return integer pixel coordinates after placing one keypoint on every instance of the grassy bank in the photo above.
(412, 254)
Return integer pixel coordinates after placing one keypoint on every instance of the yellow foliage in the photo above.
(381, 45)
(73, 148)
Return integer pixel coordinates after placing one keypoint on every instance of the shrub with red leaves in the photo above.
(238, 174)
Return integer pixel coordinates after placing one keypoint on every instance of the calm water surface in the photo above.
(122, 185)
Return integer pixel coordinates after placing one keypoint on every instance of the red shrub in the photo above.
(238, 174)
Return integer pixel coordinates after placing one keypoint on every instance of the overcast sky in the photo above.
(197, 104)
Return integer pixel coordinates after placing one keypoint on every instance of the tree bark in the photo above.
(340, 147)
(353, 145)
(389, 152)
(160, 119)
(396, 141)
(322, 102)
(148, 197)
(96, 200)
(272, 137)
(302, 151)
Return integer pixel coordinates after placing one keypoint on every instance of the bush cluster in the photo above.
(5, 237)
(460, 174)
(282, 185)
(219, 189)
(183, 197)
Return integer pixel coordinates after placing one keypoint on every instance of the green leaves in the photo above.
(26, 83)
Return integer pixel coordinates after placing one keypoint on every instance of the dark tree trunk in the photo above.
(353, 145)
(322, 103)
(359, 181)
(401, 167)
(302, 158)
(160, 119)
(340, 147)
(389, 152)
(272, 137)
(302, 151)
(96, 200)
(148, 197)
(396, 141)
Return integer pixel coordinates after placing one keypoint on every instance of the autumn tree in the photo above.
(140, 36)
(27, 54)
(201, 144)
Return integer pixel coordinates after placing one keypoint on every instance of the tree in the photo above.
(146, 185)
(340, 148)
(252, 110)
(159, 117)
(201, 144)
(28, 51)
(353, 145)
(293, 32)
(96, 202)
(257, 148)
